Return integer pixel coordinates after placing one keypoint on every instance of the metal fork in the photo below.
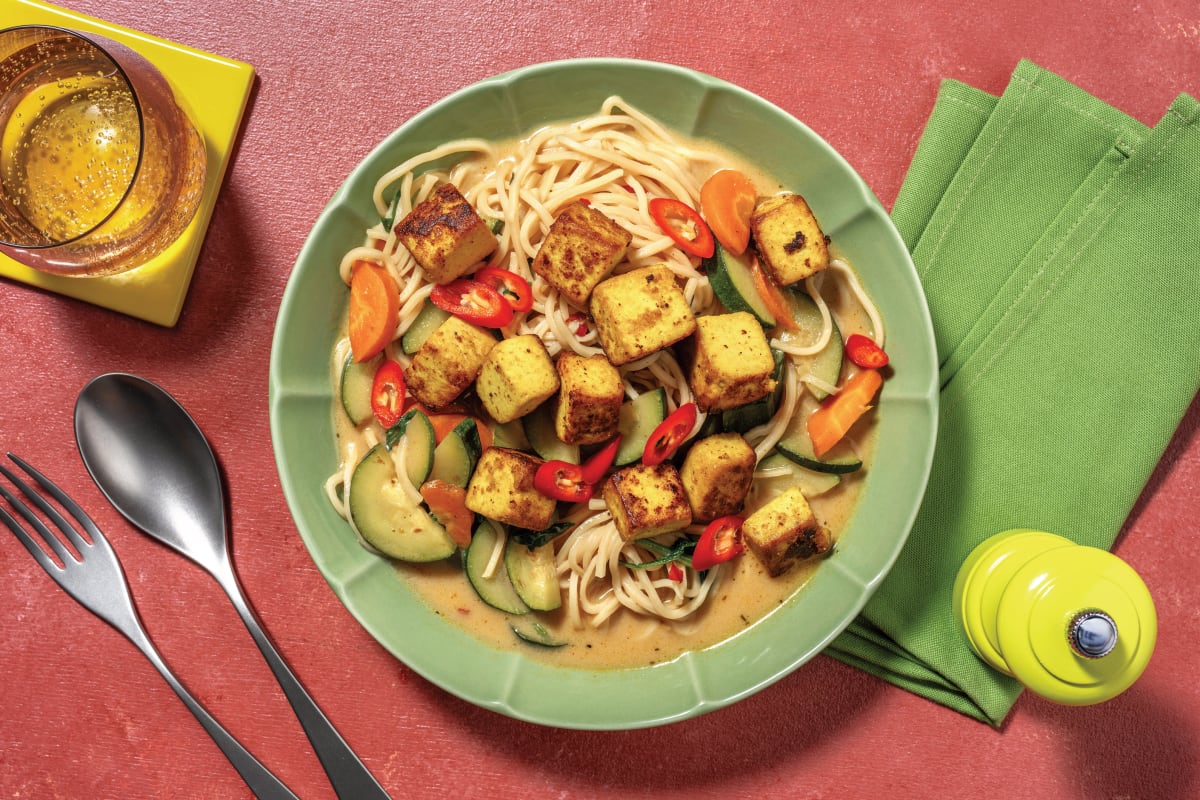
(97, 582)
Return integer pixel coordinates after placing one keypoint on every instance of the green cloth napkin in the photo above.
(1058, 243)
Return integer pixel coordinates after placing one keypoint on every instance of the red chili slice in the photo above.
(578, 323)
(721, 541)
(575, 483)
(387, 393)
(473, 301)
(863, 351)
(596, 467)
(669, 434)
(684, 225)
(511, 286)
(562, 480)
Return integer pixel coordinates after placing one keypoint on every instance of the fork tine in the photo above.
(37, 552)
(52, 541)
(63, 500)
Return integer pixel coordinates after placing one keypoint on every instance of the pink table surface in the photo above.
(82, 715)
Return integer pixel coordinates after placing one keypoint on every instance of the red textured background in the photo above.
(82, 715)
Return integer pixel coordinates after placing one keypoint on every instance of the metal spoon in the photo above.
(152, 462)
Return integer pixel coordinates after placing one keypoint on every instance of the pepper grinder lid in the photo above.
(1075, 624)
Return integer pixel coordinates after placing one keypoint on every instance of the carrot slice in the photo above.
(727, 200)
(773, 297)
(829, 423)
(374, 309)
(448, 504)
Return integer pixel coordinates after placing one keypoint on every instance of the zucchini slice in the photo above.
(539, 430)
(638, 419)
(733, 283)
(509, 434)
(743, 418)
(356, 382)
(810, 481)
(427, 321)
(533, 574)
(455, 456)
(536, 634)
(496, 589)
(388, 519)
(825, 365)
(797, 445)
(759, 412)
(419, 448)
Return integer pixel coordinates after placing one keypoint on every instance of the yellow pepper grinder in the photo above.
(1074, 624)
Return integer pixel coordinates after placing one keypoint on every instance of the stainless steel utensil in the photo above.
(153, 463)
(95, 579)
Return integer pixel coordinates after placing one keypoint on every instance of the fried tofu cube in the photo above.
(581, 248)
(646, 501)
(716, 473)
(448, 362)
(445, 235)
(516, 377)
(732, 363)
(589, 399)
(789, 239)
(640, 312)
(784, 532)
(501, 488)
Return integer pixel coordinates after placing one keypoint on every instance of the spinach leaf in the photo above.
(390, 217)
(535, 539)
(680, 550)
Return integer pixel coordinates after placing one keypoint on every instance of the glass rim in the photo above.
(90, 39)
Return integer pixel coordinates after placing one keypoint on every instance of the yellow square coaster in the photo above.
(216, 90)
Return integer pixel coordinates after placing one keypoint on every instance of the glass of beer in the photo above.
(100, 167)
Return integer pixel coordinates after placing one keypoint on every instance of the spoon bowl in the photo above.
(151, 460)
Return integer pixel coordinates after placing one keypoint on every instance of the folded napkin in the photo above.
(1058, 243)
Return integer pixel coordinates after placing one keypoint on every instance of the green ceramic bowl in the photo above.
(507, 681)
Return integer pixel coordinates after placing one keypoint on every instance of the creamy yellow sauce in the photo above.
(745, 594)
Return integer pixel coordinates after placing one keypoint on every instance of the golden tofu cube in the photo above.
(789, 239)
(589, 399)
(716, 473)
(448, 362)
(581, 248)
(732, 363)
(784, 532)
(516, 377)
(445, 235)
(501, 488)
(640, 312)
(646, 501)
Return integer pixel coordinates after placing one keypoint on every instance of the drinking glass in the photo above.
(101, 169)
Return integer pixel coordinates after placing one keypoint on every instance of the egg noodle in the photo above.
(618, 160)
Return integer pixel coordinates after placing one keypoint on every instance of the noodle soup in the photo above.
(612, 615)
